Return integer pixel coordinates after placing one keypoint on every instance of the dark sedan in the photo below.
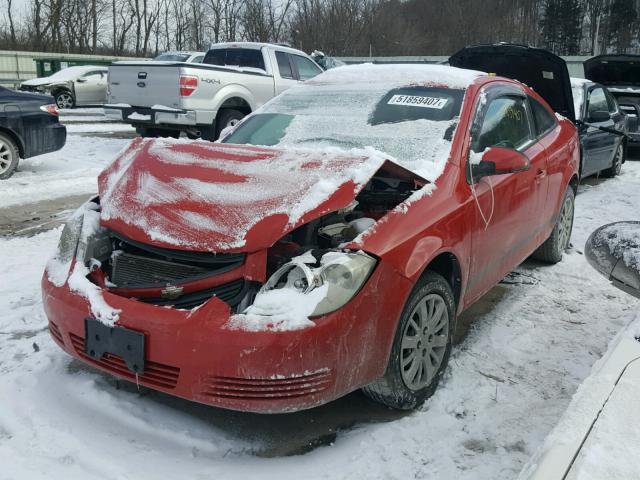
(28, 127)
(602, 127)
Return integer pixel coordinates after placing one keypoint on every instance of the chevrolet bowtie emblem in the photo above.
(171, 292)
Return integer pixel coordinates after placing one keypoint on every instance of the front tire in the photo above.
(421, 346)
(9, 156)
(64, 99)
(552, 249)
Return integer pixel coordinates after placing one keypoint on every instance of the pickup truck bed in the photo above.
(165, 98)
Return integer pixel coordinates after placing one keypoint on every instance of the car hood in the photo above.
(614, 70)
(196, 195)
(540, 69)
(37, 82)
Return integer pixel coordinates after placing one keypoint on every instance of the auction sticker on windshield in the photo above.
(418, 101)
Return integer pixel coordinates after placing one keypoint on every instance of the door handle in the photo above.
(540, 175)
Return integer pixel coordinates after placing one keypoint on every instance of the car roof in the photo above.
(398, 75)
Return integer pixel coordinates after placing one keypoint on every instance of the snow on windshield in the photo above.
(339, 108)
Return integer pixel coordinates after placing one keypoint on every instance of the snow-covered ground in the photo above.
(508, 383)
(73, 169)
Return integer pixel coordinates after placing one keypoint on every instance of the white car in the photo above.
(84, 85)
(182, 56)
(598, 437)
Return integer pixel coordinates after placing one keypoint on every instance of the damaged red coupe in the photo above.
(327, 244)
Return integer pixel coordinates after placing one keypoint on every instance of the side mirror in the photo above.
(499, 161)
(599, 116)
(614, 251)
(81, 80)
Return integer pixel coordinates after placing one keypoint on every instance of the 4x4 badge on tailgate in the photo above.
(171, 292)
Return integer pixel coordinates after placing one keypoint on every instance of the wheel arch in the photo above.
(16, 139)
(447, 265)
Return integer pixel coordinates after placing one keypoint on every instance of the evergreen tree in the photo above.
(561, 26)
(622, 24)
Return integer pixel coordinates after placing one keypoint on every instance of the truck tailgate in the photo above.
(144, 84)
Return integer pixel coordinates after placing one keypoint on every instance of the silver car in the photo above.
(73, 86)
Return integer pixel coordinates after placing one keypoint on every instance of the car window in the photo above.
(198, 59)
(306, 68)
(90, 74)
(172, 57)
(235, 57)
(543, 120)
(611, 102)
(284, 67)
(597, 101)
(505, 124)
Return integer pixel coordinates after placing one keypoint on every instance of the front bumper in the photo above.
(193, 355)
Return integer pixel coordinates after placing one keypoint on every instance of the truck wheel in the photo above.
(421, 346)
(9, 157)
(64, 99)
(552, 249)
(227, 118)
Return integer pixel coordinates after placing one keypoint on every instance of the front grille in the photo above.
(134, 271)
(231, 293)
(155, 374)
(267, 388)
(55, 333)
(136, 265)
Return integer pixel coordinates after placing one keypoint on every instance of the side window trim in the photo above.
(546, 132)
(492, 93)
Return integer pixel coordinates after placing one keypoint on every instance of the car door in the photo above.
(286, 73)
(90, 88)
(618, 119)
(505, 209)
(597, 145)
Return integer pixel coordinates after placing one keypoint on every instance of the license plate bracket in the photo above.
(126, 344)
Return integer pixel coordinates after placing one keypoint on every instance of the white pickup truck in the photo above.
(166, 98)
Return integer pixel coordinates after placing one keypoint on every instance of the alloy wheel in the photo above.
(565, 222)
(6, 157)
(617, 161)
(424, 342)
(64, 100)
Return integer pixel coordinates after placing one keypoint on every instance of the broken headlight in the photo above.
(341, 274)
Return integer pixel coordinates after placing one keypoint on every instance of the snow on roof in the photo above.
(399, 75)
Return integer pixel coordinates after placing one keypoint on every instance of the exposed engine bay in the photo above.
(186, 279)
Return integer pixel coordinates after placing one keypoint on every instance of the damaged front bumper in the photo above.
(198, 355)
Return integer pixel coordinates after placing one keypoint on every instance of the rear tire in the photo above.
(552, 249)
(227, 118)
(618, 160)
(9, 156)
(421, 346)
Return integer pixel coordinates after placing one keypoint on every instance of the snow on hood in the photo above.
(216, 197)
(64, 75)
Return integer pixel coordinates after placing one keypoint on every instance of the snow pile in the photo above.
(139, 116)
(84, 224)
(205, 195)
(279, 310)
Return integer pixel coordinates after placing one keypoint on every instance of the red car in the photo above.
(328, 244)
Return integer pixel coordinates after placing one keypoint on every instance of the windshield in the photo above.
(414, 125)
(173, 57)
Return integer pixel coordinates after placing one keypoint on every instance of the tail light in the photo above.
(51, 108)
(188, 85)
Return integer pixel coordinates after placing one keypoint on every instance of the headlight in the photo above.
(341, 274)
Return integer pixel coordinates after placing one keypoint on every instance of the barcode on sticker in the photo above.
(418, 101)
